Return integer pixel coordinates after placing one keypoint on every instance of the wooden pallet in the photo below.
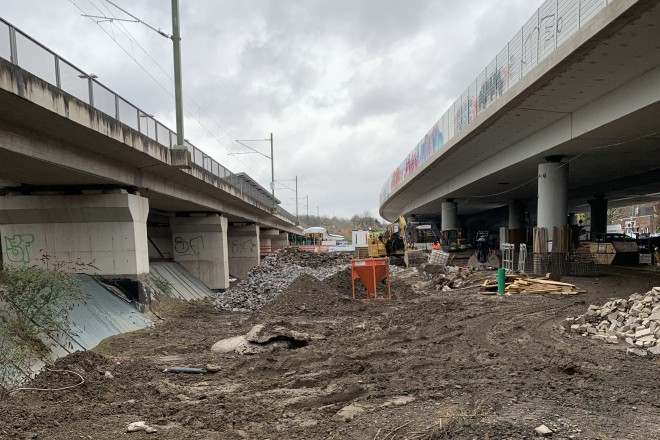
(519, 285)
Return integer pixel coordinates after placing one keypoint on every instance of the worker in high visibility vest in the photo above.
(436, 246)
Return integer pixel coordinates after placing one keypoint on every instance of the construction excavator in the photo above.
(393, 242)
(483, 257)
(396, 242)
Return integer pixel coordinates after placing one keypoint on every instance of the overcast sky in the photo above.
(347, 87)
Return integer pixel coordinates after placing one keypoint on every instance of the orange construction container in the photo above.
(371, 271)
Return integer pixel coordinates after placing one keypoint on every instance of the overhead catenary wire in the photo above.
(199, 107)
(166, 89)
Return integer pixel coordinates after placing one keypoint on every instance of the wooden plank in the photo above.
(544, 281)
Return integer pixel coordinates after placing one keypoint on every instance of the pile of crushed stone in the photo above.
(275, 273)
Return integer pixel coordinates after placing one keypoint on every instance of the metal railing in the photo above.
(552, 24)
(27, 53)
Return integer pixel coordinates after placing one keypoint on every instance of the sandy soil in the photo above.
(427, 365)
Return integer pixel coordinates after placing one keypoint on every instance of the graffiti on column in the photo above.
(17, 248)
(245, 247)
(190, 246)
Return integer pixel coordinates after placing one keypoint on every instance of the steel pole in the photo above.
(178, 87)
(297, 220)
(272, 169)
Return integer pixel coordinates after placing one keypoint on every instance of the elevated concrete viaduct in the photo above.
(84, 181)
(565, 119)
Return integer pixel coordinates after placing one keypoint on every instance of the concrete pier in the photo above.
(200, 245)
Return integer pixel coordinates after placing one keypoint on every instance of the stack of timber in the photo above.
(516, 284)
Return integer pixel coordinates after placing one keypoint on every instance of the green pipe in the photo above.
(501, 281)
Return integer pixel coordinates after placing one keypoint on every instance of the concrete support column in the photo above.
(552, 196)
(108, 231)
(266, 237)
(265, 243)
(449, 219)
(515, 231)
(598, 216)
(281, 240)
(200, 245)
(244, 253)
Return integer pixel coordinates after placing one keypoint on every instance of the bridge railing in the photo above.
(552, 24)
(30, 55)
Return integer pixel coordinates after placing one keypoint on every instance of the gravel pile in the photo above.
(635, 321)
(275, 273)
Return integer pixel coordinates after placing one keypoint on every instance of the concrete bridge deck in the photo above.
(590, 101)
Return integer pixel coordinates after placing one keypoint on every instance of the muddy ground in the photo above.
(427, 365)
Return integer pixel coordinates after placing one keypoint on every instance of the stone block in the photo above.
(543, 431)
(636, 351)
(646, 338)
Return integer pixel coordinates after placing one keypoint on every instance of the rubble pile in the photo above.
(446, 277)
(635, 321)
(275, 273)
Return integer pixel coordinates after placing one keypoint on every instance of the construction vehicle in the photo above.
(483, 257)
(452, 240)
(396, 242)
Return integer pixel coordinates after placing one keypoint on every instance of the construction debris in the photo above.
(141, 426)
(440, 257)
(520, 284)
(635, 321)
(413, 258)
(261, 339)
(449, 277)
(275, 273)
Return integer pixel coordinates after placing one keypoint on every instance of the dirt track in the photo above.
(429, 365)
